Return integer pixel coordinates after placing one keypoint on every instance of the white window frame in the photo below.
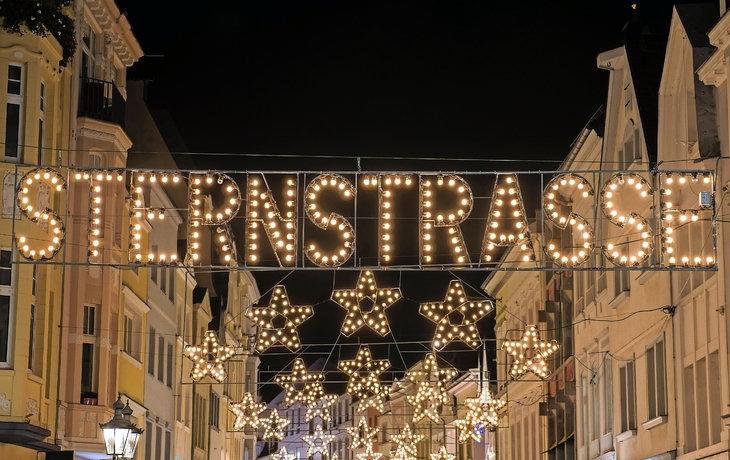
(9, 291)
(627, 396)
(136, 309)
(19, 100)
(42, 103)
(656, 379)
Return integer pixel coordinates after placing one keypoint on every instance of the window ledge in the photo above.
(645, 276)
(655, 422)
(626, 435)
(618, 300)
(131, 359)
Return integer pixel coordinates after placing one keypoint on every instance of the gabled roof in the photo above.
(645, 42)
(696, 21)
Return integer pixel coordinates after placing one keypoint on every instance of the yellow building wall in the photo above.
(27, 394)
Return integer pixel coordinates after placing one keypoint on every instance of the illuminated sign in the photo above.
(373, 220)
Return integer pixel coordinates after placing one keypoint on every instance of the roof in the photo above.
(645, 42)
(697, 21)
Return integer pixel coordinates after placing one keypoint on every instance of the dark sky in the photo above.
(470, 79)
(421, 79)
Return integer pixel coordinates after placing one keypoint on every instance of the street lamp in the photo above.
(120, 434)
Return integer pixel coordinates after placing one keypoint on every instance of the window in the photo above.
(169, 365)
(621, 282)
(154, 270)
(41, 121)
(89, 318)
(88, 49)
(214, 409)
(132, 333)
(6, 292)
(32, 332)
(95, 160)
(127, 333)
(608, 393)
(87, 367)
(148, 442)
(168, 445)
(171, 285)
(14, 112)
(584, 409)
(161, 360)
(158, 442)
(384, 431)
(701, 386)
(656, 380)
(31, 339)
(163, 279)
(200, 430)
(586, 294)
(151, 352)
(628, 396)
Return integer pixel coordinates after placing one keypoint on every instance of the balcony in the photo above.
(101, 100)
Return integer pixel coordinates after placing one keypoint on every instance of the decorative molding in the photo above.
(31, 407)
(100, 135)
(4, 403)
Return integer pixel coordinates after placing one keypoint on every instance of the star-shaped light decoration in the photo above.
(366, 304)
(407, 440)
(208, 358)
(318, 442)
(320, 408)
(247, 412)
(362, 435)
(278, 322)
(442, 455)
(364, 382)
(282, 454)
(369, 454)
(530, 353)
(456, 317)
(431, 391)
(300, 385)
(402, 454)
(481, 414)
(274, 426)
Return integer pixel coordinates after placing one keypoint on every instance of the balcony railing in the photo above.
(101, 100)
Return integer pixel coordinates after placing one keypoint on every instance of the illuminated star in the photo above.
(300, 385)
(481, 414)
(278, 321)
(247, 412)
(274, 426)
(369, 454)
(402, 454)
(362, 435)
(456, 317)
(208, 358)
(366, 305)
(431, 391)
(318, 442)
(320, 408)
(364, 382)
(530, 353)
(442, 455)
(407, 441)
(282, 454)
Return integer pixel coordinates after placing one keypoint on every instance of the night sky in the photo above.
(390, 82)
